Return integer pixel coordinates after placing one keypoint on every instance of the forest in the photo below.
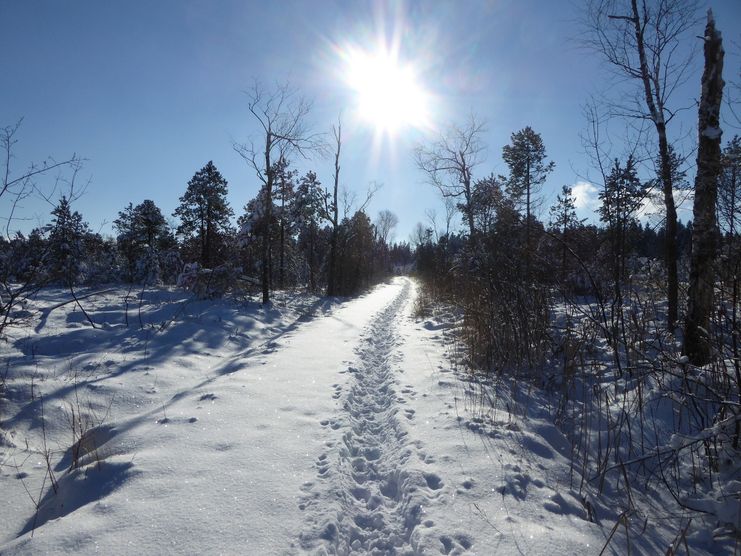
(619, 335)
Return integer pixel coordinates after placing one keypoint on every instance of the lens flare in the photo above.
(388, 93)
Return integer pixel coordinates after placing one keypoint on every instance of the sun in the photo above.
(388, 93)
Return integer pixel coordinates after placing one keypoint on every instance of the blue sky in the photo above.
(148, 92)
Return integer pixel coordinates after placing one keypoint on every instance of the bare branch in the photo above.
(20, 187)
(449, 162)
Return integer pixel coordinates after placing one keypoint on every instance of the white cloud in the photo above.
(586, 202)
(585, 196)
(652, 210)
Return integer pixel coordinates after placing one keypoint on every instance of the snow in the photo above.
(311, 426)
(713, 133)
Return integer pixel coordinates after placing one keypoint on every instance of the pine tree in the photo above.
(307, 209)
(66, 248)
(356, 244)
(528, 170)
(729, 190)
(204, 213)
(284, 198)
(621, 198)
(150, 226)
(258, 224)
(143, 234)
(563, 220)
(126, 239)
(486, 198)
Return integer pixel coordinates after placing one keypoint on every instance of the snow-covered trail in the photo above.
(345, 433)
(223, 467)
(371, 497)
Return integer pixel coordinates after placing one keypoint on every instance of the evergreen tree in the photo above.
(355, 269)
(204, 214)
(564, 220)
(126, 238)
(143, 234)
(486, 199)
(563, 212)
(66, 252)
(621, 198)
(729, 190)
(284, 198)
(257, 227)
(149, 225)
(528, 170)
(307, 209)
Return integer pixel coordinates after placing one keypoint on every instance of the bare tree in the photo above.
(704, 234)
(449, 163)
(14, 188)
(420, 235)
(349, 199)
(640, 39)
(331, 209)
(281, 115)
(431, 215)
(385, 224)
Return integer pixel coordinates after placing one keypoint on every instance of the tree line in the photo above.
(295, 232)
(299, 228)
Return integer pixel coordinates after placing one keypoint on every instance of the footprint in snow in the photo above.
(322, 465)
(433, 481)
(452, 543)
(167, 420)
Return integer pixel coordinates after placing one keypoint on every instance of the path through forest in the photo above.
(375, 476)
(332, 429)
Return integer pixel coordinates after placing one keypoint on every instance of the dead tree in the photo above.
(281, 116)
(704, 234)
(385, 224)
(449, 162)
(331, 212)
(640, 39)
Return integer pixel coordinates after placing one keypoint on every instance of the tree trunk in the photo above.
(203, 244)
(527, 222)
(656, 110)
(312, 259)
(469, 210)
(670, 236)
(266, 223)
(704, 235)
(282, 277)
(563, 256)
(266, 254)
(207, 258)
(332, 278)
